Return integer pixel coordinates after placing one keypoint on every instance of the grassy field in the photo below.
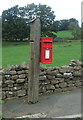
(67, 34)
(63, 52)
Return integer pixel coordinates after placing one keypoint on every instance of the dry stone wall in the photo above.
(52, 79)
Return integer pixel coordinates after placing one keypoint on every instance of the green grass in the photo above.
(63, 52)
(15, 53)
(67, 34)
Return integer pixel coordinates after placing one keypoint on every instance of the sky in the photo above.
(64, 9)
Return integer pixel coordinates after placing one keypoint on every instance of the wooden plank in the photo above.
(33, 81)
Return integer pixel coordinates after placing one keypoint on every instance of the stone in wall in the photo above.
(59, 75)
(50, 87)
(67, 75)
(50, 77)
(63, 85)
(77, 73)
(42, 73)
(52, 73)
(65, 69)
(42, 77)
(21, 93)
(11, 68)
(22, 76)
(44, 83)
(43, 68)
(57, 86)
(14, 77)
(20, 80)
(21, 72)
(7, 77)
(13, 72)
(53, 82)
(9, 82)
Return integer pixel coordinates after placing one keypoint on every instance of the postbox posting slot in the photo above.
(48, 42)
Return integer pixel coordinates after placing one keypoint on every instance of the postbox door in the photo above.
(46, 55)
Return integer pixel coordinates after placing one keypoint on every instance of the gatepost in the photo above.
(34, 65)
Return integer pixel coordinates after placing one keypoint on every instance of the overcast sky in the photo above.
(64, 9)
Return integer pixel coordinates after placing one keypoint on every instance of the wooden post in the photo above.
(34, 66)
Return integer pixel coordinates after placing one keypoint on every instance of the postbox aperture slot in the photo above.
(48, 42)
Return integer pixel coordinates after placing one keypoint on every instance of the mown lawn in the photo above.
(63, 52)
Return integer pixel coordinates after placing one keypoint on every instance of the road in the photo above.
(49, 106)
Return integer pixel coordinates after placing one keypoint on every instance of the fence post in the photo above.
(34, 65)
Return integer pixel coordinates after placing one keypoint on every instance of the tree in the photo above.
(73, 20)
(63, 25)
(13, 25)
(73, 23)
(82, 31)
(43, 12)
(76, 31)
(15, 20)
(55, 26)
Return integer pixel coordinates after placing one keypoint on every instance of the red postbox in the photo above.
(46, 49)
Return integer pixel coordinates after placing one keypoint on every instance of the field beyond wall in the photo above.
(17, 52)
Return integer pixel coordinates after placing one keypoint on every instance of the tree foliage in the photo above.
(13, 25)
(43, 12)
(15, 22)
(74, 26)
(82, 31)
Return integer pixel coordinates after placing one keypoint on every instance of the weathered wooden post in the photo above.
(34, 66)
